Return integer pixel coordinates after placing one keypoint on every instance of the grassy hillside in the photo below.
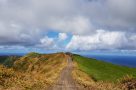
(103, 71)
(33, 71)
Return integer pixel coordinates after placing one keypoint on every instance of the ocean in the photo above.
(124, 60)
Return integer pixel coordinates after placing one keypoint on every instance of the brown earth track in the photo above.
(65, 81)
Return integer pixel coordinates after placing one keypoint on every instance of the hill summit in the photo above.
(32, 71)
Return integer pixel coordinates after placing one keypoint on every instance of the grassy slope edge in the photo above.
(104, 71)
(103, 75)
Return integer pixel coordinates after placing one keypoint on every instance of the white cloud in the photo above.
(74, 25)
(47, 43)
(25, 23)
(102, 40)
(70, 15)
(62, 36)
(13, 33)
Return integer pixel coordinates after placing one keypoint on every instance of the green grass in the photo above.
(33, 54)
(103, 71)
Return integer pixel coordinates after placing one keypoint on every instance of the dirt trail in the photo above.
(65, 81)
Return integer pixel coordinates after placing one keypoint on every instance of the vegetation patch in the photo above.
(33, 71)
(103, 71)
(102, 75)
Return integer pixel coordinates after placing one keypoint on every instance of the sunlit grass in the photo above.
(99, 75)
(33, 71)
(104, 71)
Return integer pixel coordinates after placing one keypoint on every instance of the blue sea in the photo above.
(124, 60)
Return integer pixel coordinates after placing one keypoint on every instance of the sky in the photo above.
(67, 25)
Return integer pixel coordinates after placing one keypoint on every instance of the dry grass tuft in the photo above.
(81, 77)
(88, 81)
(32, 72)
(127, 83)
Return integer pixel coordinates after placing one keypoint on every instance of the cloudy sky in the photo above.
(67, 25)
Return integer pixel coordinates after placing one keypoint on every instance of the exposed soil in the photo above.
(65, 81)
